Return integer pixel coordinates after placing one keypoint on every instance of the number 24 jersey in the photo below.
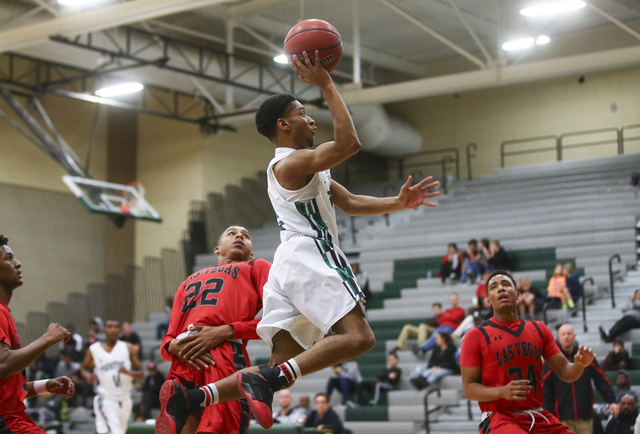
(507, 351)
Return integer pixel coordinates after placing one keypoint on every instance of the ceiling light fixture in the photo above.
(543, 39)
(518, 44)
(552, 8)
(281, 58)
(119, 89)
(75, 2)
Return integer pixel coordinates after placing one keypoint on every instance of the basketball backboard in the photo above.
(108, 198)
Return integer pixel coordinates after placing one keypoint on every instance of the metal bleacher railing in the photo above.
(616, 137)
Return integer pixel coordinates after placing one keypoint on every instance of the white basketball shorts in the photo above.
(112, 415)
(311, 286)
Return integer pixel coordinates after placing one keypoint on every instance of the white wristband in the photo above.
(40, 387)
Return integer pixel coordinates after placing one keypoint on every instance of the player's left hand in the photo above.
(584, 357)
(206, 338)
(414, 196)
(62, 386)
(123, 370)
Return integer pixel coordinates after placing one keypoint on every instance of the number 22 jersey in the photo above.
(220, 295)
(507, 351)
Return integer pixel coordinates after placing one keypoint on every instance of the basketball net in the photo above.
(131, 203)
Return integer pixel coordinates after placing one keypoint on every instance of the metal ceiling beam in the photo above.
(512, 74)
(253, 7)
(473, 34)
(434, 34)
(107, 17)
(614, 20)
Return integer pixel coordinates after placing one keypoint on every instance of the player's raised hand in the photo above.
(56, 333)
(310, 73)
(414, 196)
(584, 357)
(516, 390)
(204, 339)
(62, 386)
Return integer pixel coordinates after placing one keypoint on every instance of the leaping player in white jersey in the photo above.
(311, 288)
(115, 365)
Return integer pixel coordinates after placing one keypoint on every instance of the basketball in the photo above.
(311, 35)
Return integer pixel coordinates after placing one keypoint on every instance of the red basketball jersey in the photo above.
(507, 351)
(13, 392)
(224, 294)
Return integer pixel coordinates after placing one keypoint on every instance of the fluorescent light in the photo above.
(119, 89)
(543, 39)
(281, 58)
(518, 44)
(75, 2)
(550, 8)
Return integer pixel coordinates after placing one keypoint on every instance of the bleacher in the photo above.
(544, 214)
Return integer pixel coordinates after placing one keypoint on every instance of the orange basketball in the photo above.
(311, 35)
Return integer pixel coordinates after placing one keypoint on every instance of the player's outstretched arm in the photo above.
(570, 372)
(474, 390)
(411, 196)
(14, 361)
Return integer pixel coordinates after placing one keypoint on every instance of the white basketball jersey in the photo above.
(308, 211)
(110, 383)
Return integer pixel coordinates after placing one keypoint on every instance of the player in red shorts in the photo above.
(501, 363)
(221, 302)
(14, 359)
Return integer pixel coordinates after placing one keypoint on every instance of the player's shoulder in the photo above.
(260, 263)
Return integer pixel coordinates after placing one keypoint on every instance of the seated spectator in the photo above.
(95, 329)
(441, 363)
(303, 405)
(474, 319)
(573, 282)
(387, 380)
(531, 301)
(163, 326)
(472, 268)
(497, 258)
(630, 320)
(447, 323)
(131, 337)
(623, 386)
(481, 290)
(346, 379)
(618, 358)
(324, 417)
(421, 331)
(624, 423)
(150, 392)
(558, 295)
(451, 264)
(288, 415)
(73, 346)
(363, 280)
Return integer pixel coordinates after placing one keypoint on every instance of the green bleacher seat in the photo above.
(377, 413)
(276, 429)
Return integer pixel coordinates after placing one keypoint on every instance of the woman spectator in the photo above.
(441, 364)
(472, 268)
(496, 256)
(558, 295)
(451, 263)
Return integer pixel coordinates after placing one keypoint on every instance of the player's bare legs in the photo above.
(353, 337)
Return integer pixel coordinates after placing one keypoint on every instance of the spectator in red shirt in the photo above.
(451, 263)
(447, 323)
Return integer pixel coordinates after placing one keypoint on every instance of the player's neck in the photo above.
(5, 295)
(108, 345)
(506, 316)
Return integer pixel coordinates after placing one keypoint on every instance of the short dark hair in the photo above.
(321, 394)
(504, 273)
(272, 109)
(3, 240)
(437, 303)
